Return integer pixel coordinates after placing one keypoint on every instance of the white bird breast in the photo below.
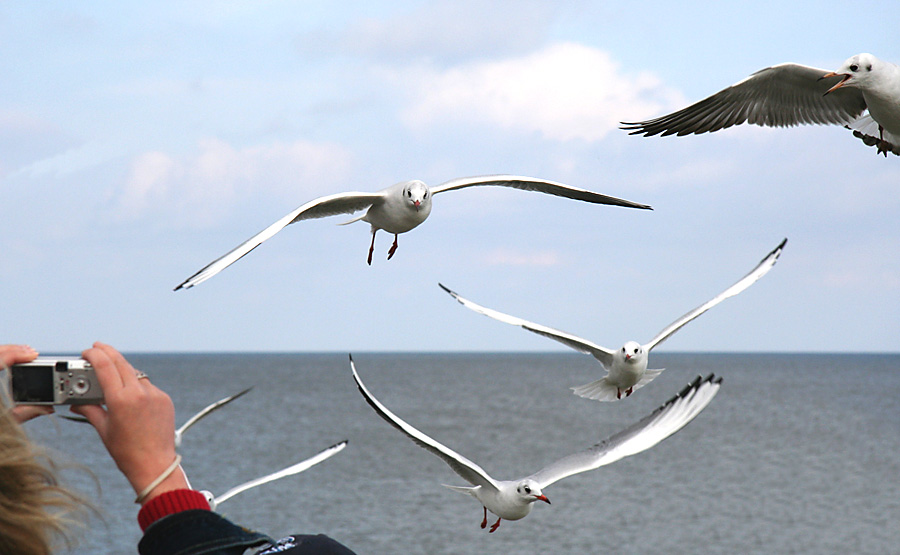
(398, 214)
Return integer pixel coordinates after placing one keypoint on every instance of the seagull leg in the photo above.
(484, 522)
(371, 248)
(629, 391)
(494, 526)
(618, 393)
(393, 248)
(881, 143)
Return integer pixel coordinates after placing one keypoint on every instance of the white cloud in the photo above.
(565, 91)
(72, 160)
(452, 29)
(219, 176)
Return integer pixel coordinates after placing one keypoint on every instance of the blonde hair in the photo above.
(36, 512)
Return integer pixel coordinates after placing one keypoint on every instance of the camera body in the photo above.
(54, 381)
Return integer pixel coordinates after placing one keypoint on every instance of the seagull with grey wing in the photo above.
(179, 433)
(204, 413)
(513, 499)
(297, 468)
(863, 95)
(626, 368)
(396, 209)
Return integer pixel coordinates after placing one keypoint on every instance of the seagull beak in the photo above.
(627, 357)
(542, 498)
(417, 203)
(842, 82)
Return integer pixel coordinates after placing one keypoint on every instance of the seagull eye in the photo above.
(854, 68)
(527, 489)
(869, 67)
(635, 351)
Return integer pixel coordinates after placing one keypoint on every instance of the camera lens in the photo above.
(81, 386)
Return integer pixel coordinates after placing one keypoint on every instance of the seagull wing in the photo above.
(210, 408)
(647, 432)
(468, 470)
(289, 471)
(341, 203)
(761, 269)
(779, 96)
(538, 185)
(604, 355)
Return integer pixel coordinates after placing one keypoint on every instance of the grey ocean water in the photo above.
(797, 454)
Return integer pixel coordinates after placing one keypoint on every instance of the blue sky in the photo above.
(140, 141)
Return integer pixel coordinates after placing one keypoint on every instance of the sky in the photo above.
(139, 141)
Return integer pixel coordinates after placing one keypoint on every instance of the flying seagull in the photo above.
(627, 367)
(205, 412)
(513, 499)
(179, 433)
(396, 209)
(214, 501)
(792, 94)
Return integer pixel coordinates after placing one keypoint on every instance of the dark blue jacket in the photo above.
(199, 532)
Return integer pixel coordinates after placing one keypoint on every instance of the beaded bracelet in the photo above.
(143, 495)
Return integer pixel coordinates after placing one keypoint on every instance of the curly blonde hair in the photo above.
(36, 512)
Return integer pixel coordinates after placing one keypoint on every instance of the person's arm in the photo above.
(137, 425)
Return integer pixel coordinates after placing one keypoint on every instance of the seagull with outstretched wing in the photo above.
(513, 499)
(396, 209)
(626, 368)
(863, 95)
(216, 500)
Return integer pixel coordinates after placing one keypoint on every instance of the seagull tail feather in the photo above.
(463, 489)
(353, 220)
(600, 390)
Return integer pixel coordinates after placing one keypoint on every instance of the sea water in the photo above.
(798, 453)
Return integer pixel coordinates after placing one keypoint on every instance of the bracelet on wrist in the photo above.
(166, 473)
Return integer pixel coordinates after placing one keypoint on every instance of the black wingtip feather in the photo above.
(693, 385)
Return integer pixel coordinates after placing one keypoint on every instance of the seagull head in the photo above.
(632, 352)
(856, 71)
(529, 491)
(417, 193)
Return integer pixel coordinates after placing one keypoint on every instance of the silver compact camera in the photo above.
(54, 381)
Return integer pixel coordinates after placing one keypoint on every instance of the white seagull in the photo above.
(792, 94)
(214, 501)
(512, 499)
(627, 367)
(396, 209)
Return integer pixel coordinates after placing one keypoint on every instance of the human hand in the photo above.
(17, 354)
(137, 426)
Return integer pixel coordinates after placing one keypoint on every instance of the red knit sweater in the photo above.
(170, 502)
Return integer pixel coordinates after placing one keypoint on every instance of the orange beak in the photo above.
(542, 498)
(417, 202)
(845, 78)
